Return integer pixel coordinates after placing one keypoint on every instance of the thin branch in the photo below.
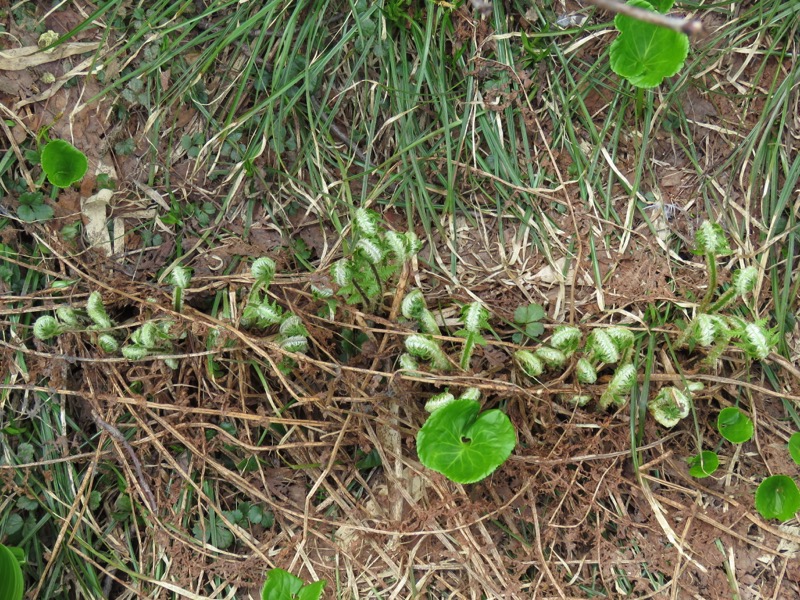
(691, 27)
(137, 465)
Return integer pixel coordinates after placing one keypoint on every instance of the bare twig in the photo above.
(137, 465)
(691, 27)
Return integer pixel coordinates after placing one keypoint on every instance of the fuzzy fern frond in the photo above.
(295, 343)
(530, 364)
(108, 343)
(602, 347)
(427, 349)
(472, 393)
(366, 221)
(371, 249)
(408, 362)
(180, 276)
(135, 352)
(670, 406)
(413, 304)
(263, 270)
(46, 327)
(474, 317)
(710, 239)
(622, 337)
(551, 357)
(757, 341)
(566, 338)
(97, 311)
(744, 280)
(585, 371)
(623, 379)
(292, 325)
(439, 401)
(68, 316)
(340, 272)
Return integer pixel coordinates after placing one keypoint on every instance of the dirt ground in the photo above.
(568, 516)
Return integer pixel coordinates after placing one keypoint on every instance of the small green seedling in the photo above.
(704, 464)
(462, 444)
(644, 53)
(777, 497)
(281, 585)
(180, 278)
(794, 447)
(734, 425)
(474, 317)
(375, 257)
(528, 318)
(426, 348)
(12, 585)
(63, 163)
(414, 307)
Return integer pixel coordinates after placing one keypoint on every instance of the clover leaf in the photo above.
(645, 53)
(777, 497)
(462, 445)
(63, 163)
(281, 585)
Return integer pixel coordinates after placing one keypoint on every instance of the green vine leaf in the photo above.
(644, 53)
(794, 447)
(464, 446)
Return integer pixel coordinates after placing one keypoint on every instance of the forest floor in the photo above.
(220, 132)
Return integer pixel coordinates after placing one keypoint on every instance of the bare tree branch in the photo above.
(691, 27)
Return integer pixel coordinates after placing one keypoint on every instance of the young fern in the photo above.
(428, 349)
(180, 278)
(414, 307)
(97, 311)
(474, 317)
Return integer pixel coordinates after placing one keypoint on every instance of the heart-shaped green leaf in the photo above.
(63, 163)
(644, 53)
(281, 585)
(734, 425)
(704, 464)
(778, 498)
(12, 586)
(794, 447)
(465, 446)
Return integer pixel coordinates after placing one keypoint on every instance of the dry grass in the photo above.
(585, 507)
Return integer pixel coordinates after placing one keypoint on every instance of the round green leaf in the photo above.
(778, 498)
(644, 53)
(794, 447)
(734, 425)
(704, 464)
(63, 163)
(464, 446)
(12, 586)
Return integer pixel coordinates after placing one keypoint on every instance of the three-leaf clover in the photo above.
(32, 207)
(281, 585)
(644, 53)
(528, 318)
(462, 445)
